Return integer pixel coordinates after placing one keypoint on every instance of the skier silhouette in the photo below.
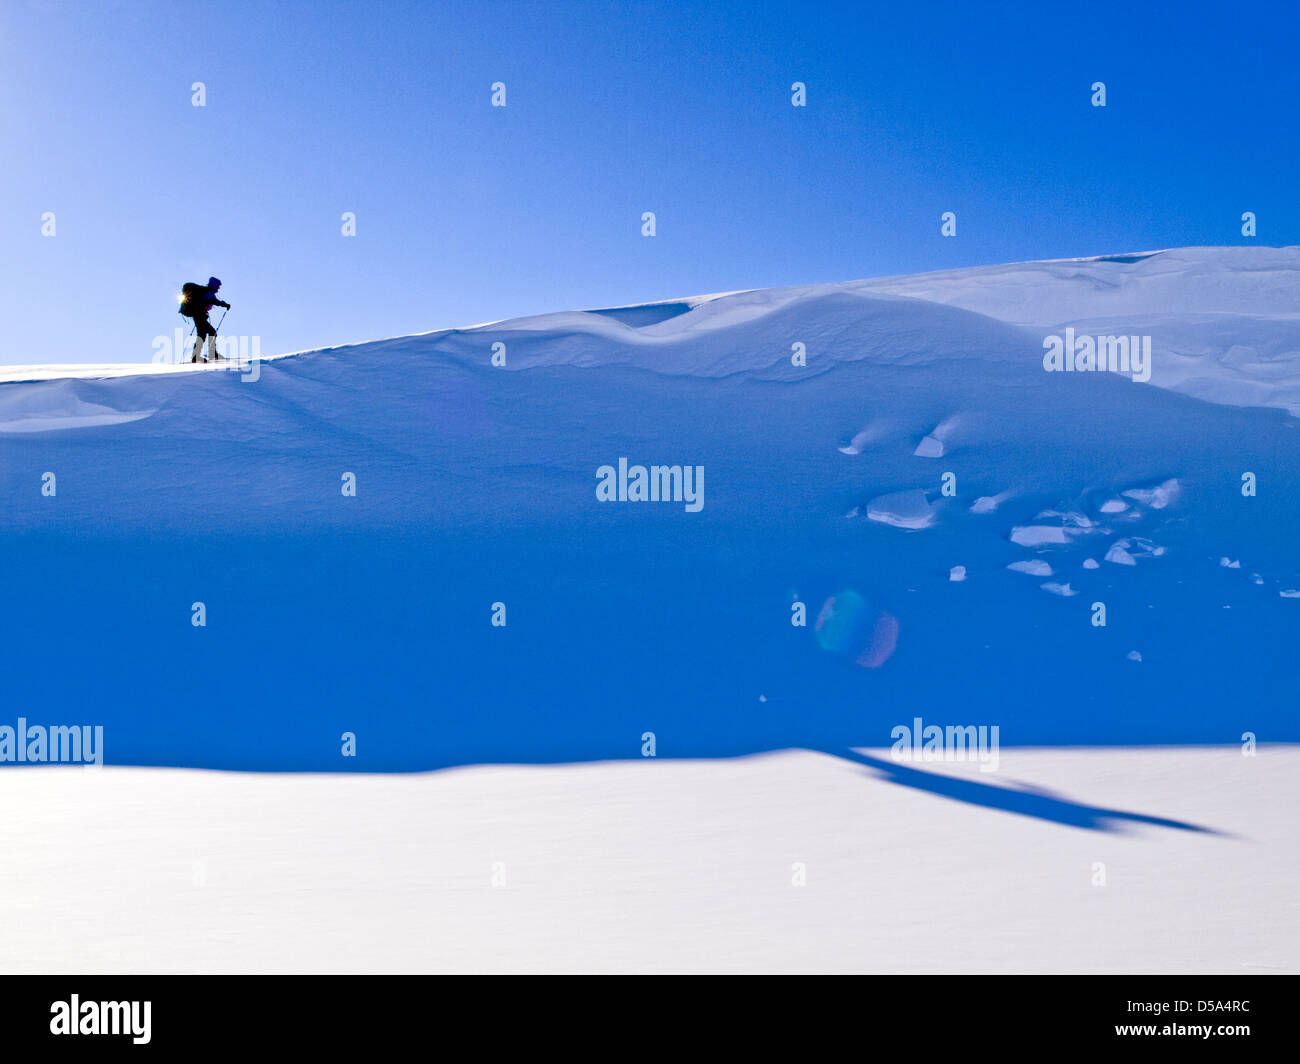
(196, 301)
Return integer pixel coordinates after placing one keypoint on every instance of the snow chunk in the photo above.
(957, 573)
(1034, 567)
(902, 509)
(1064, 590)
(1072, 521)
(1133, 655)
(1119, 554)
(1156, 498)
(1127, 551)
(1091, 563)
(1114, 506)
(875, 431)
(929, 448)
(1290, 593)
(1037, 535)
(1225, 563)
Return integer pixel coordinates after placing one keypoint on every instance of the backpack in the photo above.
(193, 299)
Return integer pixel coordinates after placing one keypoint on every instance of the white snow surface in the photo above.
(655, 866)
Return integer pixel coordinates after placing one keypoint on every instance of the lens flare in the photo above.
(849, 626)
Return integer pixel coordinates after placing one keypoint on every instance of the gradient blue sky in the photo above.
(468, 213)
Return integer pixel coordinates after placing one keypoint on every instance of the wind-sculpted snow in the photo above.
(920, 440)
(48, 406)
(1225, 322)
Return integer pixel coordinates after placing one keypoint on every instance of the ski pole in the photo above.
(215, 330)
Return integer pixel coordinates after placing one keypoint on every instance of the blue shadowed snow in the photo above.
(477, 485)
(1125, 259)
(649, 314)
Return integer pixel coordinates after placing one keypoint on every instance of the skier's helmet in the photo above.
(214, 283)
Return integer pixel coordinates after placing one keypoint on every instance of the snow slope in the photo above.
(823, 485)
(330, 615)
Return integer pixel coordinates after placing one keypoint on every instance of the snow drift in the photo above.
(920, 435)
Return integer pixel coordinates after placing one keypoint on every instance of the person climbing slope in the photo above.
(196, 301)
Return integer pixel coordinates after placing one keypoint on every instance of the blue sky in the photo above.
(468, 213)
